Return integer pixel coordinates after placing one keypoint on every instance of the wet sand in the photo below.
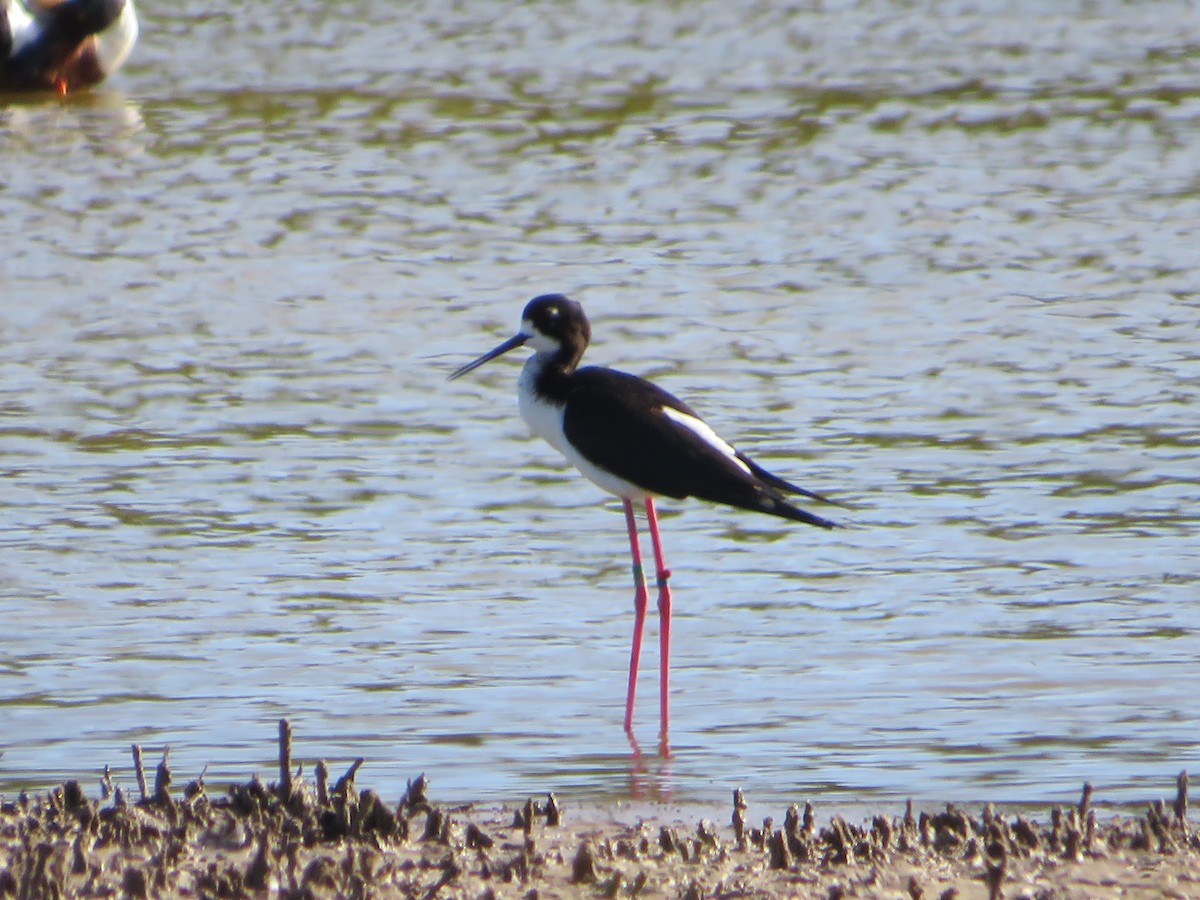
(312, 838)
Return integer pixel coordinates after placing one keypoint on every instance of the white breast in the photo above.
(545, 419)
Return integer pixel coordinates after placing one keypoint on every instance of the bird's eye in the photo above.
(552, 312)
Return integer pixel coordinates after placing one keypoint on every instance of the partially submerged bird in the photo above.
(637, 441)
(63, 45)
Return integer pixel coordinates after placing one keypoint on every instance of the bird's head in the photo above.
(551, 323)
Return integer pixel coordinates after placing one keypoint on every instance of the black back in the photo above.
(616, 421)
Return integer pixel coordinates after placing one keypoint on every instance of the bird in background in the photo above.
(637, 441)
(63, 45)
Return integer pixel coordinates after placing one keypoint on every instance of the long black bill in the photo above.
(511, 344)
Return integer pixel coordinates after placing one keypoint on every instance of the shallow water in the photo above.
(940, 267)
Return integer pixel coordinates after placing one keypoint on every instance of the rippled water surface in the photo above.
(937, 260)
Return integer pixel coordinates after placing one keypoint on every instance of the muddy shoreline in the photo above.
(312, 838)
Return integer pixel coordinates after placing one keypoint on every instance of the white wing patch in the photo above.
(21, 26)
(706, 434)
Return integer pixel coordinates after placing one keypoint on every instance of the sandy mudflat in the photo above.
(314, 839)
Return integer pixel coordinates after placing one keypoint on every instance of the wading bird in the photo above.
(635, 440)
(63, 45)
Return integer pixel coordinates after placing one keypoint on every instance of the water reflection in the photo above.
(99, 119)
(650, 776)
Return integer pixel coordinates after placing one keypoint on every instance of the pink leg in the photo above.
(664, 622)
(640, 599)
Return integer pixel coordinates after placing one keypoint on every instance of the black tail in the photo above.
(774, 481)
(779, 506)
(752, 494)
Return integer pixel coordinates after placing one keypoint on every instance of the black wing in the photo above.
(617, 421)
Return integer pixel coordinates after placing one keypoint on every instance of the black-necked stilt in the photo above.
(63, 45)
(637, 441)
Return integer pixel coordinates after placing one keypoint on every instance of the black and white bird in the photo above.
(637, 441)
(63, 45)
